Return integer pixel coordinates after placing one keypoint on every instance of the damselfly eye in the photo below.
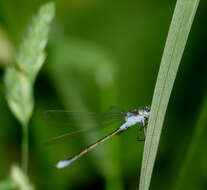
(147, 108)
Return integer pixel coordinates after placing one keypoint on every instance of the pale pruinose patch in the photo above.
(131, 120)
(64, 163)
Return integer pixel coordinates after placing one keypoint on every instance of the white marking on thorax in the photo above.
(132, 120)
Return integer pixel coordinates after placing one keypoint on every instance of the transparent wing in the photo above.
(68, 117)
(86, 121)
(77, 133)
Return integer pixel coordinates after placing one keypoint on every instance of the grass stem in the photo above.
(25, 148)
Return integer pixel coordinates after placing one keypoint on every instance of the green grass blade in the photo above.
(177, 37)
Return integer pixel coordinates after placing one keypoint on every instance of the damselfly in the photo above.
(137, 116)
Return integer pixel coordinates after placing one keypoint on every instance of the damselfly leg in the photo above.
(140, 130)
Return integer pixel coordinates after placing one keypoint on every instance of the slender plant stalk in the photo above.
(25, 148)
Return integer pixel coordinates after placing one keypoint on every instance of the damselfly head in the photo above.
(144, 111)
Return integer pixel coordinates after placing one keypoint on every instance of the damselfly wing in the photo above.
(87, 121)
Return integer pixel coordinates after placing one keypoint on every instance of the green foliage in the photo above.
(31, 55)
(19, 180)
(101, 54)
(177, 37)
(19, 79)
(19, 94)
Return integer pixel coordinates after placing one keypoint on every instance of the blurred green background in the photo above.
(102, 54)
